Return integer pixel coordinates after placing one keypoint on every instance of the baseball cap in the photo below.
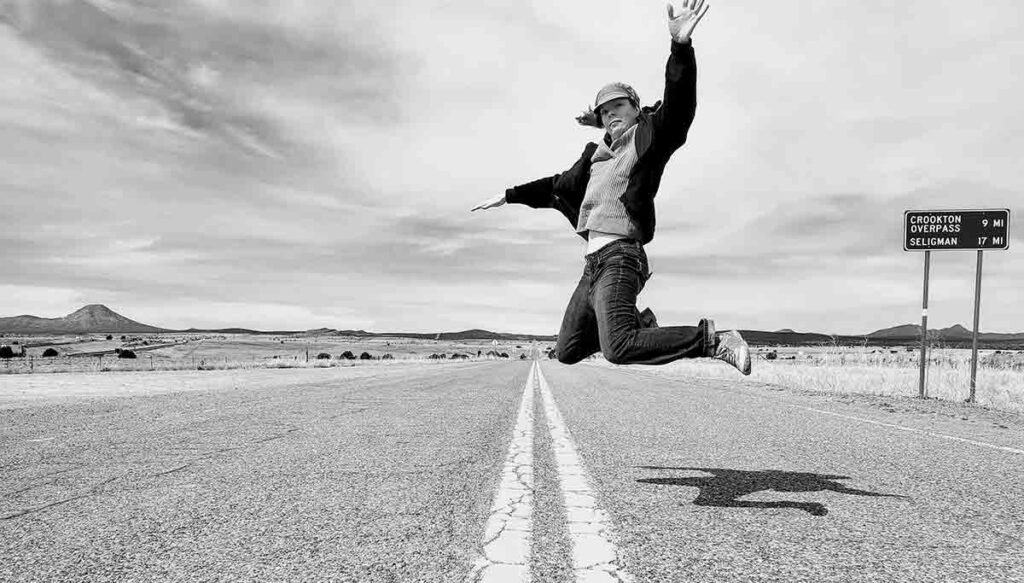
(614, 91)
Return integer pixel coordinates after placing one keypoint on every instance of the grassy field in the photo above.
(235, 351)
(877, 371)
(831, 369)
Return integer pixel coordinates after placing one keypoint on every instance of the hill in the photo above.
(94, 318)
(97, 319)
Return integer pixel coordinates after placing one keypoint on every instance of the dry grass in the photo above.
(240, 352)
(1000, 377)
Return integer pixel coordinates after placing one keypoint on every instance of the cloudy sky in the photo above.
(298, 164)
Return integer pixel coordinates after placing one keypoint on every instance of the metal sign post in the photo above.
(924, 323)
(944, 230)
(974, 339)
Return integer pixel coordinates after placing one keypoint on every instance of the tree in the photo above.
(6, 352)
(347, 355)
(126, 354)
(50, 352)
(365, 356)
(323, 356)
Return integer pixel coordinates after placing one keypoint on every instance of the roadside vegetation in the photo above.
(104, 353)
(879, 371)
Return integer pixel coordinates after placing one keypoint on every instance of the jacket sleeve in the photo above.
(536, 194)
(672, 120)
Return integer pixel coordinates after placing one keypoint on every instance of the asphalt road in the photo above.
(394, 474)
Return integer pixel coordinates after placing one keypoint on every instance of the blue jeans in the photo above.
(602, 314)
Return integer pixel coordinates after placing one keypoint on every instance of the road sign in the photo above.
(943, 230)
(956, 229)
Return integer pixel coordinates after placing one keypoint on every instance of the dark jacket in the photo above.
(660, 132)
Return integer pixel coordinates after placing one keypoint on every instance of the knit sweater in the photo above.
(609, 175)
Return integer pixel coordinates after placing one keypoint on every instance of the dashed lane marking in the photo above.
(915, 430)
(595, 557)
(506, 542)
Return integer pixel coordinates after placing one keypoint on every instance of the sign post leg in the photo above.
(924, 323)
(974, 341)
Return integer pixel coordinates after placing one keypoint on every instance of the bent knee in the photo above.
(615, 356)
(569, 358)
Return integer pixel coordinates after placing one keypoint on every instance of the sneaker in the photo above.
(731, 348)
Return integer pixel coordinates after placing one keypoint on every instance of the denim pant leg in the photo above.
(577, 338)
(620, 276)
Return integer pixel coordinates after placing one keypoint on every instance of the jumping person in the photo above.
(608, 196)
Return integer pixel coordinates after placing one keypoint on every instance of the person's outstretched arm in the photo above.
(672, 120)
(536, 194)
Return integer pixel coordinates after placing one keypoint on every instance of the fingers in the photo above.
(702, 12)
(671, 11)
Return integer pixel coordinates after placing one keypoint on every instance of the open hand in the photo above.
(681, 24)
(490, 203)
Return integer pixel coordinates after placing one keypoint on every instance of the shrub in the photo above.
(126, 354)
(387, 357)
(503, 355)
(50, 352)
(772, 355)
(522, 357)
(110, 336)
(347, 355)
(365, 356)
(6, 352)
(323, 356)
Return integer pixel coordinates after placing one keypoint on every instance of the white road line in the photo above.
(914, 430)
(594, 555)
(506, 543)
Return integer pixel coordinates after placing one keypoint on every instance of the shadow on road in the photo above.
(725, 487)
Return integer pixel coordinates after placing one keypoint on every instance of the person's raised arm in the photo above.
(672, 120)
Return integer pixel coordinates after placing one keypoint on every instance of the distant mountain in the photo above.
(94, 318)
(904, 331)
(955, 335)
(789, 338)
(97, 319)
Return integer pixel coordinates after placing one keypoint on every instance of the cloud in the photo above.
(197, 71)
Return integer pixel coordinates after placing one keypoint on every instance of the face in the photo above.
(618, 115)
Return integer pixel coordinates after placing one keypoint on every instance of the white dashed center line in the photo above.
(594, 555)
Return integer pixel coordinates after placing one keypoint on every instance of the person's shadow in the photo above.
(725, 487)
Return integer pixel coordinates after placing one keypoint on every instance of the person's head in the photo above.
(617, 107)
